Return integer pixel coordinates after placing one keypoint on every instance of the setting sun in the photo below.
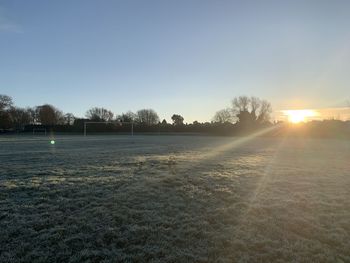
(296, 116)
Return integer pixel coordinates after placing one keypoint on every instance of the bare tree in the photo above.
(251, 110)
(46, 114)
(99, 114)
(19, 117)
(49, 115)
(240, 104)
(265, 111)
(223, 116)
(127, 117)
(60, 119)
(5, 105)
(147, 117)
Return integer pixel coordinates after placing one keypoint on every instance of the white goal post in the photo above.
(108, 122)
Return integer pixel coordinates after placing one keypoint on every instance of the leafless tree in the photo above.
(5, 105)
(223, 116)
(265, 111)
(46, 114)
(147, 117)
(19, 117)
(49, 115)
(251, 110)
(240, 104)
(127, 117)
(99, 114)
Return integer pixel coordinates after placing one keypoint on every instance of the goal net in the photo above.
(94, 127)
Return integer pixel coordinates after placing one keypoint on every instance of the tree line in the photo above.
(245, 112)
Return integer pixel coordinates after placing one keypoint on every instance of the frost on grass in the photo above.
(174, 199)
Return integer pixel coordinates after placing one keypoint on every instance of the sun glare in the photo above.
(297, 116)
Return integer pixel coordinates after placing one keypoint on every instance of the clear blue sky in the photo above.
(189, 57)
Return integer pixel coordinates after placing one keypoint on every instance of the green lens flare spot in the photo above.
(52, 142)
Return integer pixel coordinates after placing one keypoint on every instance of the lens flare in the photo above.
(297, 116)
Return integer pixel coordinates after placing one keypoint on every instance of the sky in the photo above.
(188, 57)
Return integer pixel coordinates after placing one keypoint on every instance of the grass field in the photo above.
(174, 199)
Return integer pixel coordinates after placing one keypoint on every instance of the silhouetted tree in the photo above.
(19, 117)
(49, 115)
(46, 114)
(265, 110)
(177, 119)
(223, 116)
(251, 111)
(5, 120)
(240, 104)
(147, 117)
(5, 105)
(60, 117)
(127, 117)
(241, 109)
(99, 114)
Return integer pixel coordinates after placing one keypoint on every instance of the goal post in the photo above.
(86, 123)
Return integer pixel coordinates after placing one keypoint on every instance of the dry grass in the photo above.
(164, 199)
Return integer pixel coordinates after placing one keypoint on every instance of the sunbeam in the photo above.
(215, 152)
